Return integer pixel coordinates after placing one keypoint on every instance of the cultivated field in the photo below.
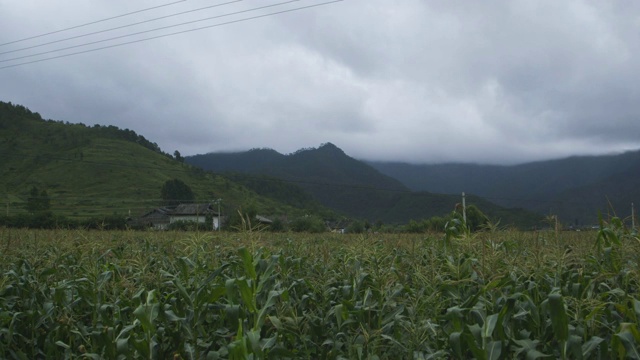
(177, 295)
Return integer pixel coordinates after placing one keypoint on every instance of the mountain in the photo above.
(103, 170)
(574, 188)
(347, 185)
(325, 165)
(98, 171)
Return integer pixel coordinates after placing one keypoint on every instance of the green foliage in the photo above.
(175, 192)
(544, 186)
(278, 226)
(356, 227)
(243, 219)
(137, 295)
(95, 172)
(310, 224)
(38, 202)
(178, 156)
(476, 220)
(279, 190)
(329, 177)
(48, 220)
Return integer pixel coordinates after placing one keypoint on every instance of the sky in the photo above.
(419, 81)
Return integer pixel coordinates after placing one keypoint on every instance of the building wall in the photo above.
(191, 218)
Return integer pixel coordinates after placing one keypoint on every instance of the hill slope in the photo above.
(327, 165)
(574, 188)
(347, 185)
(98, 171)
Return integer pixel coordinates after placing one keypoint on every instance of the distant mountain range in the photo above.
(101, 170)
(350, 186)
(575, 188)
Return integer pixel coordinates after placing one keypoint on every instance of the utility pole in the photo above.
(464, 209)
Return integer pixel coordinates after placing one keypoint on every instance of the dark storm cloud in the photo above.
(421, 81)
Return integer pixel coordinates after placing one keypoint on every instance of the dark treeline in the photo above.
(17, 117)
(50, 221)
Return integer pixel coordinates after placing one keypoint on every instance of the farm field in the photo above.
(187, 295)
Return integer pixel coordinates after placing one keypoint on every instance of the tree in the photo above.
(177, 155)
(310, 224)
(38, 202)
(356, 227)
(475, 218)
(175, 192)
(242, 220)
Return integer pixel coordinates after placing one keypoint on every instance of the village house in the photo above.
(195, 213)
(161, 218)
(157, 219)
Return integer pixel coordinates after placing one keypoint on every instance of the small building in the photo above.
(339, 227)
(195, 213)
(157, 219)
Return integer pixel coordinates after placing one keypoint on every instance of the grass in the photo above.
(87, 174)
(491, 295)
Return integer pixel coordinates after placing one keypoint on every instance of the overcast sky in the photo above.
(409, 80)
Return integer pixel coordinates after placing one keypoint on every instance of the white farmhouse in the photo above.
(195, 213)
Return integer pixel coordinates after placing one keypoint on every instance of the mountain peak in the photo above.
(330, 148)
(328, 145)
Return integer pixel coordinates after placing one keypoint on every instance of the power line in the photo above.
(145, 32)
(117, 28)
(91, 23)
(161, 36)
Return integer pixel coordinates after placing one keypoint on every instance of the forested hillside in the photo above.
(574, 188)
(97, 171)
(349, 186)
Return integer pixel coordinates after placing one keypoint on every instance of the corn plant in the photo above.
(252, 295)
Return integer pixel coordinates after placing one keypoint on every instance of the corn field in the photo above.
(68, 294)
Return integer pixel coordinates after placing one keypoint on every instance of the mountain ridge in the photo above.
(575, 188)
(345, 184)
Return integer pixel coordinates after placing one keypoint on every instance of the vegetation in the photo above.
(279, 190)
(475, 220)
(176, 192)
(339, 182)
(204, 295)
(38, 201)
(94, 173)
(574, 188)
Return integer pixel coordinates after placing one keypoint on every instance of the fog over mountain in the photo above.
(498, 82)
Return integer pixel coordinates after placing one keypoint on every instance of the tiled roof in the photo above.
(193, 209)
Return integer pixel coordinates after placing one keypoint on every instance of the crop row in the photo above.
(493, 295)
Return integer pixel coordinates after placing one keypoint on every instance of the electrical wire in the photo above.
(159, 36)
(117, 28)
(144, 32)
(91, 23)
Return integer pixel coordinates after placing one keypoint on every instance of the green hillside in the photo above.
(575, 188)
(98, 171)
(349, 186)
(326, 164)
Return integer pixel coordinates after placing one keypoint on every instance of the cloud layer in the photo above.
(490, 82)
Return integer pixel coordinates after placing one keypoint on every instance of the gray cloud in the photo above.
(494, 82)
